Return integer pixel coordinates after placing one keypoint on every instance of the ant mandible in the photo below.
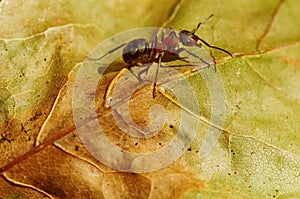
(139, 52)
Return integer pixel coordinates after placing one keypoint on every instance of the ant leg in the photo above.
(156, 74)
(107, 96)
(215, 67)
(144, 71)
(194, 55)
(112, 84)
(109, 52)
(136, 76)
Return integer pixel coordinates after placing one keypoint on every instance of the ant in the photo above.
(139, 52)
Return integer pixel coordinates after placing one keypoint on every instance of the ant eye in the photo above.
(188, 41)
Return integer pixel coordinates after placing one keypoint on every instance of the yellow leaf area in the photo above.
(42, 47)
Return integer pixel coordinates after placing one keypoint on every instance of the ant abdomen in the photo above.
(137, 52)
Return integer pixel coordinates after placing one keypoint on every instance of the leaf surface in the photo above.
(42, 47)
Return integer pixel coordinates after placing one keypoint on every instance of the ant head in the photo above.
(188, 38)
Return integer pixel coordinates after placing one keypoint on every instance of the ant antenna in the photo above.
(215, 47)
(207, 44)
(198, 26)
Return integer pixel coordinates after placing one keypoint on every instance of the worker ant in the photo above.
(139, 52)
